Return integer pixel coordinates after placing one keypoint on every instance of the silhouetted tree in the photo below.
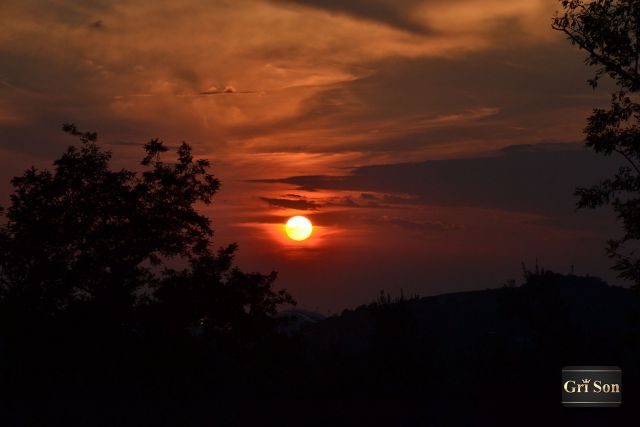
(609, 31)
(95, 242)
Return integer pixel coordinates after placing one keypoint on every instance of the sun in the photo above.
(298, 228)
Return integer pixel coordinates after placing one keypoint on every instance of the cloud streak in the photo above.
(396, 14)
(523, 178)
(298, 204)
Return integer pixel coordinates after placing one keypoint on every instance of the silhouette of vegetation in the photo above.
(489, 357)
(87, 244)
(609, 31)
(385, 298)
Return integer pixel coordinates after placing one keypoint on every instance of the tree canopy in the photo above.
(609, 32)
(127, 248)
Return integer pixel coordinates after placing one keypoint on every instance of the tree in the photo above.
(609, 32)
(94, 242)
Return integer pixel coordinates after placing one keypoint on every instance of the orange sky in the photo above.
(270, 90)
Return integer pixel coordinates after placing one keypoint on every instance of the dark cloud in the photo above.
(309, 183)
(525, 178)
(299, 204)
(295, 201)
(394, 13)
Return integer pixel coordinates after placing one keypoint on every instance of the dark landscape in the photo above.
(392, 361)
(319, 213)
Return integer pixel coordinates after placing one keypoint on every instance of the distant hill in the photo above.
(497, 353)
(547, 308)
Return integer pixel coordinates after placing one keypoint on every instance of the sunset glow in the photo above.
(405, 130)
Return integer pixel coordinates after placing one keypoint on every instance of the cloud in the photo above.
(394, 13)
(436, 17)
(335, 89)
(523, 178)
(299, 204)
(319, 82)
(440, 107)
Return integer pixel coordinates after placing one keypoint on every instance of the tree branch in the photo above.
(602, 59)
(629, 159)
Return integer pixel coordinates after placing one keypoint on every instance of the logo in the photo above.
(591, 386)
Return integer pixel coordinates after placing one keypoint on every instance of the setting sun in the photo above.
(298, 228)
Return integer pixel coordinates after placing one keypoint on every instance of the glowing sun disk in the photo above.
(298, 228)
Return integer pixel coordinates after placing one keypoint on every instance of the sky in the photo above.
(434, 144)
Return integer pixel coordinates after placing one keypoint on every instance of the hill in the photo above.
(477, 358)
(490, 357)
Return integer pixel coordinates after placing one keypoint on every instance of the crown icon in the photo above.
(586, 381)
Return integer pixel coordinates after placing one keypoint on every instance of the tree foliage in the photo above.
(609, 32)
(85, 238)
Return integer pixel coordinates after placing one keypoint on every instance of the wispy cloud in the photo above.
(289, 203)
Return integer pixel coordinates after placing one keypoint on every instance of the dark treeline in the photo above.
(475, 358)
